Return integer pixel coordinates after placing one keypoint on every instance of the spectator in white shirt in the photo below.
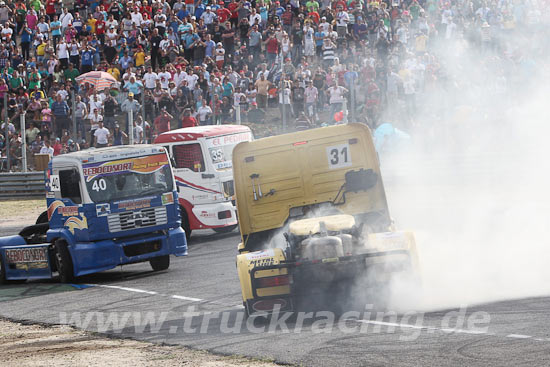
(204, 112)
(138, 133)
(208, 16)
(66, 18)
(102, 136)
(164, 77)
(150, 78)
(47, 149)
(137, 18)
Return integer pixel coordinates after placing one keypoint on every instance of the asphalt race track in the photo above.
(123, 301)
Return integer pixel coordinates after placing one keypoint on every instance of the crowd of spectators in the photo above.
(182, 63)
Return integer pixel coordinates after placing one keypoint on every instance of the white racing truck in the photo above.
(203, 169)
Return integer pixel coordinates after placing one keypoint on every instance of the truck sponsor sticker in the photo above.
(146, 164)
(339, 156)
(53, 206)
(26, 255)
(261, 258)
(220, 148)
(68, 211)
(262, 262)
(103, 209)
(167, 198)
(229, 139)
(205, 214)
(134, 204)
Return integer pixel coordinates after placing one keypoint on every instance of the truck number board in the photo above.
(339, 156)
(26, 255)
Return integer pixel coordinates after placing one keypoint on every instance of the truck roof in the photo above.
(109, 153)
(193, 133)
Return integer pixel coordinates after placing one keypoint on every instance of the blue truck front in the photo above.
(105, 207)
(114, 206)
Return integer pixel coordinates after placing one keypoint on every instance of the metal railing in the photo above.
(18, 185)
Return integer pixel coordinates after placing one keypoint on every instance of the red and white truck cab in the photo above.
(203, 170)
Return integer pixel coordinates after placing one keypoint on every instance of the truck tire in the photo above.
(160, 263)
(64, 262)
(185, 223)
(225, 229)
(42, 218)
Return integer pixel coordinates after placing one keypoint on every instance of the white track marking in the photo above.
(422, 327)
(152, 293)
(447, 330)
(173, 296)
(187, 298)
(519, 336)
(135, 290)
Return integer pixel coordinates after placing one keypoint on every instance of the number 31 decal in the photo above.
(339, 156)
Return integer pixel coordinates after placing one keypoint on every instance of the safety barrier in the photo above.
(20, 185)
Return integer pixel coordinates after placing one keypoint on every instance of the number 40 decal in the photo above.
(339, 156)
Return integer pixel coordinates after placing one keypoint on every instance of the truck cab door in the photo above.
(195, 182)
(65, 209)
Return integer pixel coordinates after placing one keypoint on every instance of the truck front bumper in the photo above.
(93, 257)
(214, 215)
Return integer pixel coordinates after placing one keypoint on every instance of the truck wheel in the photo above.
(225, 229)
(185, 223)
(64, 262)
(160, 263)
(42, 218)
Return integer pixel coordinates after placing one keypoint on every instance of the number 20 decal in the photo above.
(339, 156)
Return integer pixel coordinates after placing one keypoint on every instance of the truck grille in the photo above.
(138, 219)
(228, 188)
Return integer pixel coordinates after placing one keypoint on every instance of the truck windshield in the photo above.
(220, 148)
(127, 178)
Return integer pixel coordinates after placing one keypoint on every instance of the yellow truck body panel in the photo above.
(302, 168)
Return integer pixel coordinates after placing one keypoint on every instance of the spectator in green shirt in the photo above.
(71, 73)
(16, 81)
(34, 78)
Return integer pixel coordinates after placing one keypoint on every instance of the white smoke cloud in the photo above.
(474, 182)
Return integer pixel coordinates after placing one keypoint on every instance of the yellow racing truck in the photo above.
(313, 218)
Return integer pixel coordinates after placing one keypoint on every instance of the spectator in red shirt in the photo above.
(286, 19)
(272, 47)
(188, 120)
(146, 9)
(233, 8)
(50, 8)
(100, 29)
(223, 14)
(57, 147)
(162, 123)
